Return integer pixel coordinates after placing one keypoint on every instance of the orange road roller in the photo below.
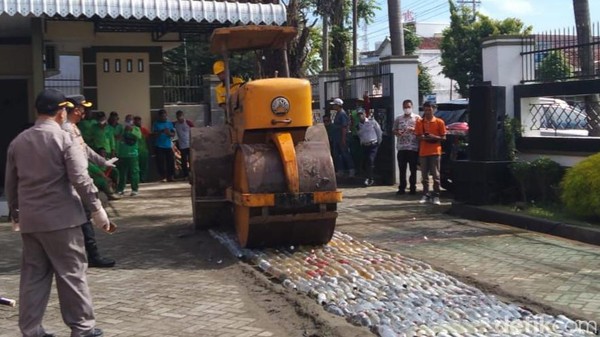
(268, 170)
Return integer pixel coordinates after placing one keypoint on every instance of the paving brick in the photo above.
(156, 287)
(550, 270)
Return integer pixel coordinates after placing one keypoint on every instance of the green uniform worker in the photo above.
(103, 141)
(86, 127)
(117, 131)
(143, 150)
(97, 174)
(103, 138)
(128, 152)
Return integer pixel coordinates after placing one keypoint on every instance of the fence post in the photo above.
(405, 80)
(503, 64)
(405, 85)
(214, 115)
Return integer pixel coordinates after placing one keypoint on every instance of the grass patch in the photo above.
(549, 212)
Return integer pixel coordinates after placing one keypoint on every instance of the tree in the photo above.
(426, 85)
(302, 51)
(339, 18)
(411, 40)
(396, 29)
(553, 67)
(461, 44)
(581, 9)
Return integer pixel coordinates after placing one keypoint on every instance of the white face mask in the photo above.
(407, 111)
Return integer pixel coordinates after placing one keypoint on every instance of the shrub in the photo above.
(580, 188)
(521, 171)
(538, 180)
(546, 175)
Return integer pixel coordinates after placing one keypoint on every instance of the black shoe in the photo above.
(412, 192)
(95, 332)
(400, 192)
(49, 335)
(100, 262)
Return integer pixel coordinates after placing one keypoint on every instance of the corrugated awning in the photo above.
(176, 10)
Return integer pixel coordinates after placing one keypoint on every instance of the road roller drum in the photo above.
(268, 171)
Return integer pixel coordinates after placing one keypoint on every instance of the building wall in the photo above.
(71, 37)
(443, 86)
(127, 90)
(16, 60)
(430, 58)
(136, 92)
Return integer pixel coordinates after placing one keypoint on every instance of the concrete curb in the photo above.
(481, 213)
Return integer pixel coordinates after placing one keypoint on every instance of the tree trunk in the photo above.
(325, 50)
(396, 31)
(586, 60)
(354, 32)
(338, 39)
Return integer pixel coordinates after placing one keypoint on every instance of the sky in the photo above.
(542, 15)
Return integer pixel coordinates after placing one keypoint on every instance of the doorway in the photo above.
(14, 115)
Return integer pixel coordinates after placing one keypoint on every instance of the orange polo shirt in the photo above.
(436, 127)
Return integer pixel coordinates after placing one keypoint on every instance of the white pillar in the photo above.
(405, 83)
(502, 65)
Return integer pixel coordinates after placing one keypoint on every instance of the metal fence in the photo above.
(69, 86)
(567, 116)
(314, 88)
(555, 55)
(375, 85)
(179, 88)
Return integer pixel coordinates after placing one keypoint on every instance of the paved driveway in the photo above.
(558, 274)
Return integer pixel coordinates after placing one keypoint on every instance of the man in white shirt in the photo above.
(183, 130)
(408, 147)
(370, 135)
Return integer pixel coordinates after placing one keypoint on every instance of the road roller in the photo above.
(267, 170)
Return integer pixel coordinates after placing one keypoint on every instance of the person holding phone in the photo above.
(431, 132)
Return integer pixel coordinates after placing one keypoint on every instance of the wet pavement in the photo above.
(164, 285)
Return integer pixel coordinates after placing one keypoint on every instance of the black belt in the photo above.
(370, 143)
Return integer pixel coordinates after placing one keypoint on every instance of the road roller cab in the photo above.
(268, 170)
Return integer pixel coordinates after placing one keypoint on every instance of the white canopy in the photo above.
(176, 10)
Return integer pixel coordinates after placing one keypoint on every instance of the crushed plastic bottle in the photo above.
(287, 283)
(395, 295)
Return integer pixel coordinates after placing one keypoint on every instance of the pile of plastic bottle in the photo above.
(394, 295)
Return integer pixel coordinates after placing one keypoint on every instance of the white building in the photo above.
(429, 56)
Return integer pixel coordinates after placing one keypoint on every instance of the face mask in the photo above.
(130, 123)
(407, 111)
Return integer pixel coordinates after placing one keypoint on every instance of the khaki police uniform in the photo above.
(46, 173)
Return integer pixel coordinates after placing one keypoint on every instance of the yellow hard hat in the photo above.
(218, 67)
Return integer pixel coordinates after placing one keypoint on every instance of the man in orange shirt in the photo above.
(430, 131)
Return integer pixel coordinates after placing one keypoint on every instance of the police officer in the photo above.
(46, 182)
(74, 116)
